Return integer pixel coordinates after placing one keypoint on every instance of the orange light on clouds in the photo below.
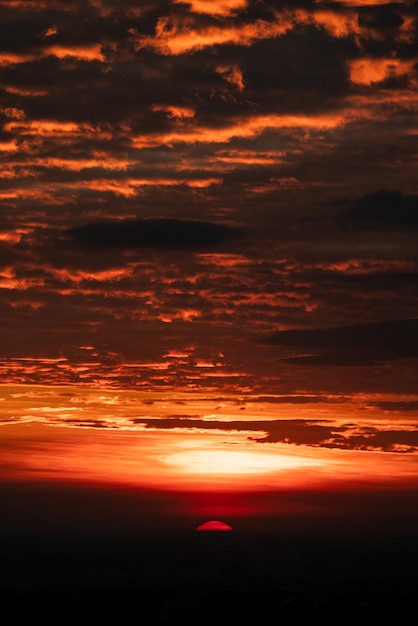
(130, 187)
(12, 236)
(247, 157)
(13, 112)
(49, 128)
(9, 58)
(84, 434)
(176, 112)
(76, 165)
(24, 91)
(266, 347)
(232, 74)
(83, 53)
(337, 24)
(9, 280)
(175, 36)
(8, 146)
(214, 7)
(247, 128)
(370, 71)
(79, 276)
(157, 459)
(179, 460)
(50, 32)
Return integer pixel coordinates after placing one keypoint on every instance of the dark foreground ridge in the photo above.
(193, 578)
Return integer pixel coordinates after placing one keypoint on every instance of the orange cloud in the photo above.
(129, 187)
(223, 260)
(175, 112)
(8, 146)
(374, 105)
(370, 71)
(32, 305)
(185, 315)
(345, 23)
(408, 29)
(47, 194)
(366, 266)
(13, 112)
(8, 280)
(336, 24)
(78, 276)
(12, 236)
(50, 32)
(247, 128)
(214, 7)
(175, 35)
(84, 53)
(178, 34)
(232, 74)
(247, 157)
(76, 165)
(9, 58)
(24, 91)
(49, 128)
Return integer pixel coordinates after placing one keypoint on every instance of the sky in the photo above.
(208, 261)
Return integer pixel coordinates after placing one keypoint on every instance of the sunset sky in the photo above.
(208, 260)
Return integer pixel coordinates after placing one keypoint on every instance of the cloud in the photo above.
(315, 433)
(370, 71)
(362, 344)
(396, 405)
(381, 210)
(214, 7)
(213, 113)
(359, 437)
(177, 35)
(158, 233)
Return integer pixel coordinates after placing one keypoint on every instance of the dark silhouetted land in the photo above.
(192, 577)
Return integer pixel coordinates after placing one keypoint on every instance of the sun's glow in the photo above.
(233, 462)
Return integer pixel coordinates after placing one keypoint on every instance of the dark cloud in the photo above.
(307, 432)
(302, 432)
(162, 234)
(397, 405)
(381, 210)
(381, 18)
(362, 344)
(315, 66)
(365, 438)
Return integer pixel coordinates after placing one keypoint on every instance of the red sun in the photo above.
(214, 525)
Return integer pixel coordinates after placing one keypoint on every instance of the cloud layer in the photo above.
(180, 180)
